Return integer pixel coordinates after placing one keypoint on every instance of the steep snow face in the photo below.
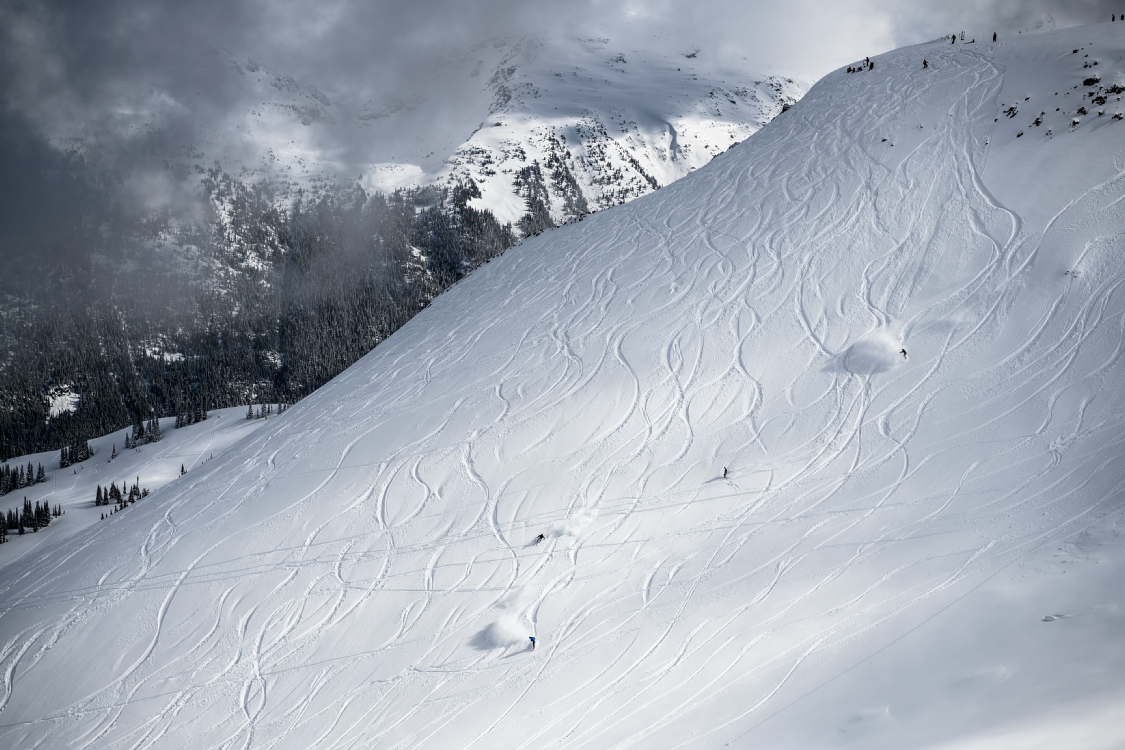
(823, 442)
(582, 125)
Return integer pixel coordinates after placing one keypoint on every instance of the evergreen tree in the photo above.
(41, 475)
(98, 497)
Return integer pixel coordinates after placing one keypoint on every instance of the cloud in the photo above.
(339, 85)
(128, 75)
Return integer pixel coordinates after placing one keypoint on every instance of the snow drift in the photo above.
(876, 569)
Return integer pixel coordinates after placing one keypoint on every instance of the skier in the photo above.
(724, 472)
(538, 539)
(925, 64)
(868, 61)
(994, 36)
(902, 352)
(532, 639)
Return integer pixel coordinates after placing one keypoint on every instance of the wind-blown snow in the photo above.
(918, 551)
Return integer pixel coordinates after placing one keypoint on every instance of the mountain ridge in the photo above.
(822, 441)
(549, 110)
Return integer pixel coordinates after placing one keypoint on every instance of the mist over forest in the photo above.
(261, 299)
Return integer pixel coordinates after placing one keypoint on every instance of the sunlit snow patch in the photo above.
(62, 400)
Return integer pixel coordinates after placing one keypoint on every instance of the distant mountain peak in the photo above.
(577, 125)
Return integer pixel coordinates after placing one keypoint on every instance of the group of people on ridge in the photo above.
(865, 65)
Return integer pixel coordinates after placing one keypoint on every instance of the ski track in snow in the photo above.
(329, 584)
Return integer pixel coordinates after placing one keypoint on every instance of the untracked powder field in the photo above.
(819, 446)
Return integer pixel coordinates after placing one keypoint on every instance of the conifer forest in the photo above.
(261, 296)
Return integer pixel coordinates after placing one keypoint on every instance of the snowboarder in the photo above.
(925, 64)
(724, 472)
(532, 639)
(538, 539)
(902, 352)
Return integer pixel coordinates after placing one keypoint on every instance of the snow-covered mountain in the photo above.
(823, 442)
(582, 125)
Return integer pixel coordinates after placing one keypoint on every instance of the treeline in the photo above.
(16, 479)
(29, 517)
(262, 300)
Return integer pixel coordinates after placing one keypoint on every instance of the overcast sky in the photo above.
(100, 70)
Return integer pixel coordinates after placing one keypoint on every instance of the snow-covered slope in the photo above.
(588, 125)
(920, 550)
(152, 465)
